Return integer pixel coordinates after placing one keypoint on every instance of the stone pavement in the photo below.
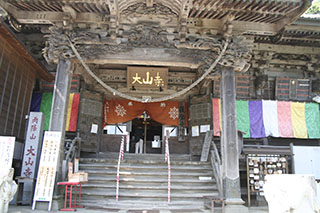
(27, 209)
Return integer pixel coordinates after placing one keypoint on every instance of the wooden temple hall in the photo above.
(195, 93)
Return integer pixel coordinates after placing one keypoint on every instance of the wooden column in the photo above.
(229, 141)
(59, 110)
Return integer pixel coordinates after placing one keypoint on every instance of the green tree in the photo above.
(315, 8)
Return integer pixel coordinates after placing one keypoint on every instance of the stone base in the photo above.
(235, 205)
(57, 203)
(236, 208)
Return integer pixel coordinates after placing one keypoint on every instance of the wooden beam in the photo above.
(46, 17)
(184, 13)
(239, 27)
(287, 49)
(20, 49)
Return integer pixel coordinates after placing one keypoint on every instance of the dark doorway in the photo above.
(152, 129)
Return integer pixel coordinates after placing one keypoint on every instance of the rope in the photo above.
(120, 94)
(118, 168)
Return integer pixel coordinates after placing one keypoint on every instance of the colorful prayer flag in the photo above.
(270, 118)
(256, 119)
(298, 120)
(42, 102)
(216, 109)
(243, 120)
(284, 119)
(72, 116)
(312, 119)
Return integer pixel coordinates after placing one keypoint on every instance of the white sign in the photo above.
(306, 160)
(31, 148)
(195, 131)
(6, 152)
(47, 168)
(94, 128)
(204, 128)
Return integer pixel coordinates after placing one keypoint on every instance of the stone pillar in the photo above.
(58, 117)
(229, 143)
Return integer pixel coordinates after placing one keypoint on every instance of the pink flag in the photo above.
(284, 119)
(216, 116)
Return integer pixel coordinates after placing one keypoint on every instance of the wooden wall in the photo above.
(16, 83)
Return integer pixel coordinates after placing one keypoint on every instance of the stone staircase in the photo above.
(144, 183)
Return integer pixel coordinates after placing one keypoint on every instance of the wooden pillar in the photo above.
(229, 141)
(59, 111)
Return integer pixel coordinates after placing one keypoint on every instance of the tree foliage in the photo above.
(315, 8)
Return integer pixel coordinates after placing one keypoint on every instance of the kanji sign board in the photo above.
(47, 168)
(6, 151)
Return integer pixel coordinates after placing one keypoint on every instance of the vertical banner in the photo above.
(47, 168)
(31, 151)
(6, 152)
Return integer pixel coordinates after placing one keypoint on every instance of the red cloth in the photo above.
(216, 116)
(164, 112)
(74, 113)
(119, 111)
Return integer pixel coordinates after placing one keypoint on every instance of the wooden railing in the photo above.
(216, 165)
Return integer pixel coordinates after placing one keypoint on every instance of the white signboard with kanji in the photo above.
(6, 152)
(47, 168)
(31, 148)
(31, 153)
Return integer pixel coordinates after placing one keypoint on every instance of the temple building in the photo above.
(225, 89)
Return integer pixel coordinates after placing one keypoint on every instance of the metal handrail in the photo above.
(121, 151)
(167, 159)
(216, 166)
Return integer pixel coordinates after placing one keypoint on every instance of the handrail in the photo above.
(121, 151)
(72, 151)
(216, 166)
(167, 159)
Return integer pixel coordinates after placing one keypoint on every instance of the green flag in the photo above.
(243, 119)
(312, 119)
(45, 108)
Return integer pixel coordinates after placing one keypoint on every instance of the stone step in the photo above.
(146, 194)
(147, 205)
(140, 161)
(131, 166)
(115, 155)
(143, 183)
(150, 173)
(150, 186)
(150, 180)
(150, 190)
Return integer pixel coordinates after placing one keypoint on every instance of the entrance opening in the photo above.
(149, 131)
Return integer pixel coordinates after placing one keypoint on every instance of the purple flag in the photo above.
(256, 119)
(35, 102)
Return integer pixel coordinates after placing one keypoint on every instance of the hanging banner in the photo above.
(47, 168)
(273, 118)
(120, 111)
(6, 152)
(42, 102)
